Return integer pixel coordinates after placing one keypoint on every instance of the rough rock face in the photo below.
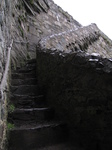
(5, 39)
(4, 33)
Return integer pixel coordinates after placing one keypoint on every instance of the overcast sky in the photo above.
(90, 11)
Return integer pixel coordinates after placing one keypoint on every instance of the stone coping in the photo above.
(72, 40)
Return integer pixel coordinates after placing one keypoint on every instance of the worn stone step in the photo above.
(25, 90)
(30, 65)
(26, 69)
(28, 81)
(61, 146)
(31, 61)
(38, 136)
(26, 101)
(23, 75)
(33, 115)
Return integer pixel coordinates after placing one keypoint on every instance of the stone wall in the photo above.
(31, 22)
(81, 93)
(78, 85)
(53, 21)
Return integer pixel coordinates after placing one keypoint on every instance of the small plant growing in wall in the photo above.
(11, 108)
(10, 126)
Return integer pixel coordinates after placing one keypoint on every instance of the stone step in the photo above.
(28, 81)
(26, 101)
(31, 61)
(25, 90)
(38, 136)
(30, 65)
(23, 75)
(25, 69)
(61, 146)
(28, 116)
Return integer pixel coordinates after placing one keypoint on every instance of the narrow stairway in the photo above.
(34, 123)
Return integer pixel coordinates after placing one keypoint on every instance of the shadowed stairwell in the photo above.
(33, 123)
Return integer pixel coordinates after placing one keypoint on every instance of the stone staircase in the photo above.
(35, 125)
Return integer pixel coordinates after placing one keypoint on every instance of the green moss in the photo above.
(10, 126)
(11, 108)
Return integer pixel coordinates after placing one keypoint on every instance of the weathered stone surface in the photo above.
(5, 40)
(88, 39)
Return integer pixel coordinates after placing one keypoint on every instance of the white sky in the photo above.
(90, 11)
